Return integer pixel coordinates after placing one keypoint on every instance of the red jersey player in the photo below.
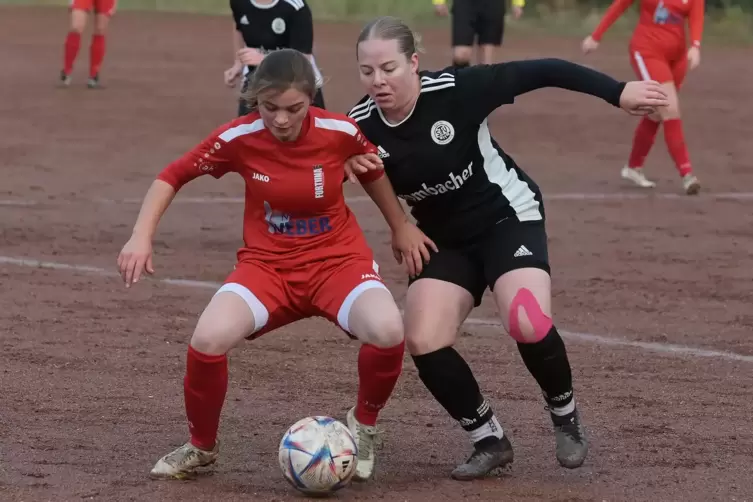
(304, 254)
(79, 9)
(658, 51)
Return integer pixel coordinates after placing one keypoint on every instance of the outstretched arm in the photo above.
(613, 13)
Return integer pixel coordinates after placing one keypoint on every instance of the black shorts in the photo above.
(509, 245)
(243, 108)
(482, 18)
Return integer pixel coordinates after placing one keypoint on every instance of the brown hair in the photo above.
(392, 28)
(279, 71)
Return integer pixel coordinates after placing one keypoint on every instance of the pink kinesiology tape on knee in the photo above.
(540, 322)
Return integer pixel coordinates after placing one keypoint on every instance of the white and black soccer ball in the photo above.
(318, 455)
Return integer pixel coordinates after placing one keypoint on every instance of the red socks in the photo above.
(644, 137)
(675, 139)
(72, 43)
(204, 386)
(643, 140)
(96, 54)
(378, 372)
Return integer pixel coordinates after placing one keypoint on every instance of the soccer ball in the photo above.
(318, 455)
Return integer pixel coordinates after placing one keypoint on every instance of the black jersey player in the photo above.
(479, 22)
(485, 215)
(260, 26)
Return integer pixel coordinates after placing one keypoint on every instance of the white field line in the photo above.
(662, 348)
(738, 196)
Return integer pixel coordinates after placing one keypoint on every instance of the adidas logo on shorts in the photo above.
(522, 251)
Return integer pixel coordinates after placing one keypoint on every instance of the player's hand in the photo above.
(232, 74)
(517, 12)
(694, 57)
(441, 10)
(589, 45)
(643, 97)
(250, 56)
(411, 245)
(361, 164)
(135, 259)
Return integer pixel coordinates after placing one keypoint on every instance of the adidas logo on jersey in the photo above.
(382, 153)
(456, 181)
(244, 20)
(522, 251)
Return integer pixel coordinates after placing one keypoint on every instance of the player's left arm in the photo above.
(695, 20)
(481, 89)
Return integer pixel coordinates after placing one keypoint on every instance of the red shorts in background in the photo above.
(659, 66)
(106, 7)
(325, 288)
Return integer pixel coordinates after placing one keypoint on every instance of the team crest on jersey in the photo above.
(278, 25)
(442, 132)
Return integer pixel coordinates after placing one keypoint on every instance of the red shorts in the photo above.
(651, 65)
(106, 7)
(325, 289)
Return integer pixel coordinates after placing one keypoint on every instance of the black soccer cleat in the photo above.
(572, 443)
(489, 456)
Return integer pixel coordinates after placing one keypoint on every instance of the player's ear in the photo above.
(414, 63)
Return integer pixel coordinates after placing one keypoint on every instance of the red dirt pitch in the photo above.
(653, 291)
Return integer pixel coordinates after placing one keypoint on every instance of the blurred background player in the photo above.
(261, 26)
(79, 12)
(484, 19)
(658, 51)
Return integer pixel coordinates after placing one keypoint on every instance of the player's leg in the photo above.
(104, 10)
(673, 130)
(252, 301)
(646, 67)
(491, 30)
(351, 294)
(437, 303)
(463, 32)
(79, 11)
(516, 263)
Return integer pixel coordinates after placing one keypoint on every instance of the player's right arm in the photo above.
(211, 156)
(232, 73)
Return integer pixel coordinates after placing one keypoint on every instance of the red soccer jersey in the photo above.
(661, 27)
(295, 208)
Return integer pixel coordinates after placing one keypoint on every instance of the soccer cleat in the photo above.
(572, 443)
(691, 184)
(636, 176)
(488, 457)
(93, 82)
(183, 462)
(366, 440)
(65, 79)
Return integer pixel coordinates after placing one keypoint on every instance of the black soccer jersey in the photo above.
(281, 24)
(442, 160)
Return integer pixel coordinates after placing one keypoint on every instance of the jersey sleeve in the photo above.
(212, 156)
(613, 13)
(302, 30)
(358, 144)
(236, 14)
(484, 88)
(695, 20)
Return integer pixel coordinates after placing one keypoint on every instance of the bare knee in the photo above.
(461, 55)
(425, 341)
(227, 320)
(527, 322)
(374, 318)
(78, 21)
(100, 25)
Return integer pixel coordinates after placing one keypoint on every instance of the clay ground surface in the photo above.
(653, 291)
